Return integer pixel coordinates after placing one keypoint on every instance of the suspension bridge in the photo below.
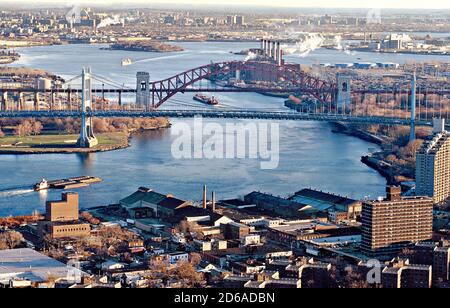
(326, 101)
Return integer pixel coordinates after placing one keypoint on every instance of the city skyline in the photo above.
(239, 147)
(368, 4)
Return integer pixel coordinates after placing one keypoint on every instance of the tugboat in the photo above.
(126, 62)
(206, 99)
(42, 185)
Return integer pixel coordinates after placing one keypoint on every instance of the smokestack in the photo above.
(204, 197)
(280, 54)
(274, 54)
(275, 51)
(269, 49)
(213, 198)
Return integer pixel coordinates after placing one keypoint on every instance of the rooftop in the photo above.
(31, 265)
(321, 200)
(143, 194)
(171, 203)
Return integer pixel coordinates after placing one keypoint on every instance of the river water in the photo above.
(310, 154)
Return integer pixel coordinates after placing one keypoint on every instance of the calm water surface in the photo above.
(311, 155)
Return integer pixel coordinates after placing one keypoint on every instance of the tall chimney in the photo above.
(274, 54)
(280, 54)
(213, 198)
(269, 49)
(204, 197)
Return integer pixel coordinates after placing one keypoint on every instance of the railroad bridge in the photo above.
(331, 101)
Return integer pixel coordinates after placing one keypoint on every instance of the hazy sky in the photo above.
(407, 4)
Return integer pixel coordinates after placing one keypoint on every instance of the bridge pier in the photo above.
(87, 138)
(69, 99)
(344, 92)
(120, 99)
(4, 101)
(36, 101)
(21, 101)
(142, 90)
(52, 100)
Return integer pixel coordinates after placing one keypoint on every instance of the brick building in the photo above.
(394, 223)
(62, 219)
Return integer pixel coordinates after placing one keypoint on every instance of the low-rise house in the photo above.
(113, 266)
(251, 239)
(176, 257)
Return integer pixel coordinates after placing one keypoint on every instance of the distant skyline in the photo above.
(386, 4)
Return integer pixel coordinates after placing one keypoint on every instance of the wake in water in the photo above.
(15, 191)
(158, 58)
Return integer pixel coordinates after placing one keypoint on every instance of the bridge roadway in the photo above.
(211, 89)
(227, 114)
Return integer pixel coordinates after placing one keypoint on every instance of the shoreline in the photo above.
(381, 167)
(126, 143)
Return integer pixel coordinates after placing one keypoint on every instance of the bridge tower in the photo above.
(87, 138)
(344, 94)
(412, 133)
(142, 90)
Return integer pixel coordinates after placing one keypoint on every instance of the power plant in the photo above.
(271, 50)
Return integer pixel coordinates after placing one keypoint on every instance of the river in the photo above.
(310, 154)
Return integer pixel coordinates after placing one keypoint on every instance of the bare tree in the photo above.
(10, 240)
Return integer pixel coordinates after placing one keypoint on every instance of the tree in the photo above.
(101, 125)
(195, 258)
(89, 218)
(186, 271)
(37, 128)
(10, 240)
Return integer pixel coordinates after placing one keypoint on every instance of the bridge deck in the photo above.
(228, 114)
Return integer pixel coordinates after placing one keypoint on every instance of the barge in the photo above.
(206, 99)
(70, 183)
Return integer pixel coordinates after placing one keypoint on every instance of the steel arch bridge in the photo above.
(297, 81)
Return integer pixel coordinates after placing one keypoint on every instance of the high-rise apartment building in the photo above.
(433, 165)
(391, 224)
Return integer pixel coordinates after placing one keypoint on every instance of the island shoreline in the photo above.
(125, 144)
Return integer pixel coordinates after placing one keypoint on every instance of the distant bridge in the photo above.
(332, 102)
(217, 114)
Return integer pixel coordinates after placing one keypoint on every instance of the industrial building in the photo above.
(277, 205)
(62, 219)
(433, 165)
(391, 224)
(28, 268)
(145, 203)
(323, 201)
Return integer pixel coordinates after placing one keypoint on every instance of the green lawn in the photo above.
(57, 140)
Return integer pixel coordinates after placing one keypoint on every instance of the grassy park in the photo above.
(49, 143)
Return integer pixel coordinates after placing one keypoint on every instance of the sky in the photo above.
(397, 4)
